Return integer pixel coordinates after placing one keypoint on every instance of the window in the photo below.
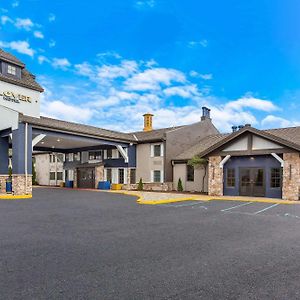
(77, 156)
(108, 175)
(52, 175)
(69, 157)
(11, 70)
(59, 175)
(121, 176)
(275, 177)
(52, 158)
(96, 155)
(157, 150)
(230, 178)
(132, 176)
(60, 157)
(190, 173)
(157, 176)
(109, 153)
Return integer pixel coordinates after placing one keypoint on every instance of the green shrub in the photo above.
(140, 185)
(179, 186)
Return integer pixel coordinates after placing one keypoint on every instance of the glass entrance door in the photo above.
(252, 182)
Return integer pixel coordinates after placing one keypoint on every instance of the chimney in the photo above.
(234, 128)
(205, 114)
(148, 122)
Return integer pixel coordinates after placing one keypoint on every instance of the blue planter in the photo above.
(8, 187)
(103, 185)
(70, 184)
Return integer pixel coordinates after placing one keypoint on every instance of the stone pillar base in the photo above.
(215, 176)
(19, 184)
(3, 183)
(99, 175)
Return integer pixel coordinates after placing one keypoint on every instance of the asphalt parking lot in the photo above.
(65, 244)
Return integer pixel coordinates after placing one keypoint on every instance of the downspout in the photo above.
(26, 156)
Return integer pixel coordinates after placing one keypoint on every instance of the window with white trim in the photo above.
(157, 176)
(157, 150)
(12, 70)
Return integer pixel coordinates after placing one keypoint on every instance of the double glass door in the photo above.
(252, 182)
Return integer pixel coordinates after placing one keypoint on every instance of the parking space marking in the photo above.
(269, 207)
(240, 205)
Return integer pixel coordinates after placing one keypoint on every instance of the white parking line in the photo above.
(258, 212)
(240, 205)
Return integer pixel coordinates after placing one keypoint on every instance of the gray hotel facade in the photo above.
(245, 162)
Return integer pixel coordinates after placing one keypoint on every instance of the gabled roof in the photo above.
(27, 79)
(288, 137)
(6, 56)
(76, 128)
(201, 146)
(279, 138)
(153, 135)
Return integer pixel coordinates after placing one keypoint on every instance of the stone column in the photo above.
(291, 176)
(19, 179)
(215, 176)
(75, 176)
(3, 184)
(99, 175)
(19, 184)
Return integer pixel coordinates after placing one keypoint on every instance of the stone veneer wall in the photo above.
(3, 184)
(215, 176)
(158, 187)
(291, 176)
(19, 184)
(99, 175)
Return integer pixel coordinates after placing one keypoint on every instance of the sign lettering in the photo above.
(14, 97)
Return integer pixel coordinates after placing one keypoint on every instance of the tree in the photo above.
(201, 162)
(140, 185)
(179, 185)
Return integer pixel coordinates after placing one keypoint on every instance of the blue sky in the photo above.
(106, 63)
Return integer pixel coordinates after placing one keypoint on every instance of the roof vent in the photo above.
(241, 127)
(247, 125)
(234, 128)
(205, 113)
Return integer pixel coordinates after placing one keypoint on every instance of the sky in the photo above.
(107, 62)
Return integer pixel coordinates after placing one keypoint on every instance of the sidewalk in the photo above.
(152, 198)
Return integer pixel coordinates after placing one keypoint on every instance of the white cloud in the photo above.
(15, 4)
(61, 110)
(42, 59)
(203, 43)
(253, 103)
(51, 17)
(38, 34)
(152, 79)
(202, 76)
(20, 46)
(6, 19)
(52, 43)
(185, 91)
(145, 3)
(26, 24)
(61, 63)
(118, 94)
(272, 121)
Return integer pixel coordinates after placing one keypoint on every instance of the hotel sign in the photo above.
(15, 97)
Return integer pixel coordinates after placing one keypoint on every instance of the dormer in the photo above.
(10, 70)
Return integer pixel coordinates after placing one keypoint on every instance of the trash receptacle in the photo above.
(103, 185)
(8, 186)
(69, 184)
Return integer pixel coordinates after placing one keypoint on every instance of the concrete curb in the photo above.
(15, 197)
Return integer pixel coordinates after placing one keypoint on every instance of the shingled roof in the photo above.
(201, 146)
(153, 135)
(27, 79)
(76, 128)
(289, 137)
